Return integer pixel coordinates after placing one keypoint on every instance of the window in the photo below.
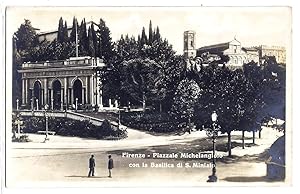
(235, 48)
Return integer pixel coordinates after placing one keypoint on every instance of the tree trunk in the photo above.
(160, 106)
(229, 144)
(243, 139)
(253, 137)
(144, 102)
(189, 125)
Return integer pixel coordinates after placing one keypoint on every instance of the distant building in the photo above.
(278, 52)
(52, 35)
(237, 54)
(233, 49)
(189, 44)
(252, 54)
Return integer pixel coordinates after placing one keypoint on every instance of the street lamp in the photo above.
(19, 122)
(76, 104)
(46, 118)
(119, 114)
(213, 133)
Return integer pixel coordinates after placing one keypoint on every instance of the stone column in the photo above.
(23, 92)
(86, 90)
(37, 104)
(51, 100)
(26, 91)
(66, 93)
(72, 96)
(32, 97)
(82, 96)
(52, 103)
(42, 97)
(99, 90)
(46, 91)
(92, 92)
(110, 104)
(61, 98)
(100, 99)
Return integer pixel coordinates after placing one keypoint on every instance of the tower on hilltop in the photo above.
(189, 44)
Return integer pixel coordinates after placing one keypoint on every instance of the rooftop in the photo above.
(71, 62)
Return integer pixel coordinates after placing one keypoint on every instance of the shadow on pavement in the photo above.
(91, 177)
(248, 179)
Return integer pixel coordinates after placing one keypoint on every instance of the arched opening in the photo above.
(56, 85)
(37, 94)
(77, 89)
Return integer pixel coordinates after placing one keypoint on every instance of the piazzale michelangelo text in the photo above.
(198, 155)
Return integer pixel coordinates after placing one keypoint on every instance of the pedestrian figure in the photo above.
(91, 166)
(110, 165)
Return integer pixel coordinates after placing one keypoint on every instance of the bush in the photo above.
(74, 128)
(150, 121)
(22, 138)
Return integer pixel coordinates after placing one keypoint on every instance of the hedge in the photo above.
(74, 128)
(151, 121)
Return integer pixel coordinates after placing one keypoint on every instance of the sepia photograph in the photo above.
(148, 96)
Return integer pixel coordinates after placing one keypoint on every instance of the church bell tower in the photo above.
(189, 44)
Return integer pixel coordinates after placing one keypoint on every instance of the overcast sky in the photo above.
(252, 26)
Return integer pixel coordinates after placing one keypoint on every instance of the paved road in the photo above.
(64, 162)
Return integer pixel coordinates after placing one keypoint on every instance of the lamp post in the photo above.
(19, 123)
(119, 116)
(213, 133)
(76, 104)
(46, 118)
(37, 104)
(17, 104)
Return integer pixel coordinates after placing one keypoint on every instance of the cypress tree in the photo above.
(60, 30)
(150, 34)
(95, 39)
(65, 33)
(83, 39)
(157, 34)
(105, 46)
(91, 47)
(143, 37)
(73, 31)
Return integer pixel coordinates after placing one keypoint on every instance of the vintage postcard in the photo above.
(148, 96)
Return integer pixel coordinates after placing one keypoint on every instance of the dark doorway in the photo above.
(77, 89)
(37, 93)
(56, 85)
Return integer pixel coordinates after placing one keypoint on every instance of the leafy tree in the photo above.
(26, 39)
(54, 51)
(186, 95)
(140, 79)
(168, 69)
(232, 96)
(16, 77)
